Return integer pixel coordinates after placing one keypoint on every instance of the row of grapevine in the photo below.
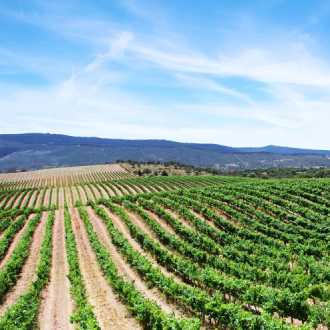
(56, 197)
(228, 253)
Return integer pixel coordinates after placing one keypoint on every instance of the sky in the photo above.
(237, 73)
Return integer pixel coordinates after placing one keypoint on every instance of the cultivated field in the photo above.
(98, 248)
(64, 176)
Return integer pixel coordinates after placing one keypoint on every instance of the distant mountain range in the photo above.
(35, 151)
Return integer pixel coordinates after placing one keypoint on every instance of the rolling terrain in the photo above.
(99, 248)
(37, 151)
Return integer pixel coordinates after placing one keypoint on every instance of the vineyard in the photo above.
(96, 247)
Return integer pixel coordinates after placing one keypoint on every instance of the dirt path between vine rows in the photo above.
(54, 196)
(129, 189)
(162, 188)
(11, 199)
(153, 188)
(46, 200)
(17, 201)
(104, 193)
(125, 270)
(179, 218)
(138, 221)
(137, 189)
(113, 191)
(75, 195)
(39, 199)
(143, 227)
(33, 198)
(15, 241)
(68, 196)
(61, 199)
(57, 306)
(95, 192)
(109, 311)
(120, 189)
(147, 189)
(162, 222)
(29, 269)
(25, 198)
(82, 194)
(89, 193)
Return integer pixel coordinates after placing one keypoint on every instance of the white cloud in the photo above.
(202, 83)
(289, 64)
(117, 47)
(93, 100)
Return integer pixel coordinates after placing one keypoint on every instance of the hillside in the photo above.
(99, 248)
(37, 151)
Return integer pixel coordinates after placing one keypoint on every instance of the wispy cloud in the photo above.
(201, 83)
(290, 64)
(116, 48)
(107, 91)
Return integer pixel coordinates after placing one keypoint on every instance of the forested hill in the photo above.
(34, 151)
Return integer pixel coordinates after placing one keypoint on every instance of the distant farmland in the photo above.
(97, 247)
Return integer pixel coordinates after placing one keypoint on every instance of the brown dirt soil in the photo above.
(158, 187)
(155, 188)
(137, 189)
(62, 175)
(75, 195)
(124, 189)
(68, 196)
(61, 198)
(168, 186)
(210, 222)
(82, 194)
(129, 189)
(25, 199)
(162, 222)
(10, 200)
(54, 196)
(46, 199)
(123, 168)
(57, 306)
(16, 202)
(2, 201)
(39, 200)
(96, 192)
(222, 214)
(104, 193)
(115, 191)
(110, 312)
(125, 231)
(125, 270)
(184, 222)
(32, 199)
(15, 241)
(28, 271)
(197, 215)
(89, 193)
(138, 221)
(322, 327)
(147, 189)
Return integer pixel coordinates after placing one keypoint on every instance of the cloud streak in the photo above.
(258, 93)
(117, 47)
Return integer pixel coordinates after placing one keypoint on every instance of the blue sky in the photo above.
(239, 73)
